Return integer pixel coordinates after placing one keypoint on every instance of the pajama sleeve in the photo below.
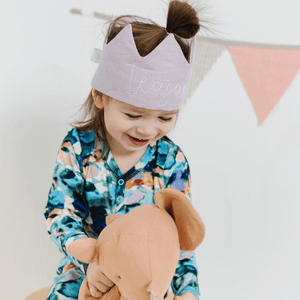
(185, 278)
(66, 207)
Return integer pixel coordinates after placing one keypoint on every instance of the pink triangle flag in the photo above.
(266, 74)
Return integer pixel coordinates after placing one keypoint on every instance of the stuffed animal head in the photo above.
(139, 251)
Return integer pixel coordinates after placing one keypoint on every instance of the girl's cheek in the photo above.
(171, 125)
(123, 123)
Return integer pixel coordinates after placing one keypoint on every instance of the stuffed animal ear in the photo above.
(110, 218)
(83, 249)
(191, 229)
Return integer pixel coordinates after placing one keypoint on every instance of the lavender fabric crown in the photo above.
(157, 81)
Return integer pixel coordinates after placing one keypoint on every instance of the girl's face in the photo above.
(131, 129)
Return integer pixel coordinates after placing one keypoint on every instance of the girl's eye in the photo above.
(132, 117)
(166, 119)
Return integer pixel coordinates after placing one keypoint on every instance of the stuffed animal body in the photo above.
(139, 251)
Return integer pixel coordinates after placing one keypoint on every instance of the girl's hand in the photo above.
(97, 281)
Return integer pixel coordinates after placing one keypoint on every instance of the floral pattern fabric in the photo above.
(84, 191)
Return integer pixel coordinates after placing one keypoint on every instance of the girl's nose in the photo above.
(147, 130)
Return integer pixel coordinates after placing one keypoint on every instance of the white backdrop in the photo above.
(245, 177)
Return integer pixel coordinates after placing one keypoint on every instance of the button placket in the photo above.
(119, 199)
(121, 182)
(120, 190)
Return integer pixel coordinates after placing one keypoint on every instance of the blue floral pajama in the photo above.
(84, 191)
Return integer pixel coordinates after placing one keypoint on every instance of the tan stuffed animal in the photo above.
(139, 251)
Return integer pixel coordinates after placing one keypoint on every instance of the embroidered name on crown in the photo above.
(162, 87)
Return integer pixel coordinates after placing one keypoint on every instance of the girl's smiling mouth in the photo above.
(138, 142)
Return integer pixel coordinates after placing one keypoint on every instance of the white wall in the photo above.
(245, 177)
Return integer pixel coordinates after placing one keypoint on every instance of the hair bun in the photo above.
(182, 19)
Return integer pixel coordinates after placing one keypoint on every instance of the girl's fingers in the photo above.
(94, 291)
(95, 274)
(105, 280)
(101, 286)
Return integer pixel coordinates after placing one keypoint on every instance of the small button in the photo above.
(120, 199)
(121, 182)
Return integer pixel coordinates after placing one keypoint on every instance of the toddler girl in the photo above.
(120, 156)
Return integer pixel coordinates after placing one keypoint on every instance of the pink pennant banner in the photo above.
(266, 74)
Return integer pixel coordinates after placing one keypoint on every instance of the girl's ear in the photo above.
(98, 98)
(84, 249)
